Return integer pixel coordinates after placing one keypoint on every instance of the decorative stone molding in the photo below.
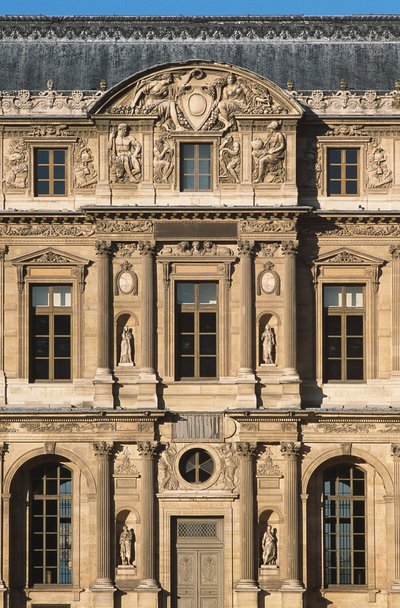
(339, 428)
(110, 226)
(32, 228)
(369, 265)
(346, 448)
(51, 257)
(124, 467)
(346, 130)
(69, 426)
(272, 224)
(50, 447)
(266, 466)
(268, 250)
(268, 281)
(126, 280)
(195, 248)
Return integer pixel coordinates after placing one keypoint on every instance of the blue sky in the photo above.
(194, 7)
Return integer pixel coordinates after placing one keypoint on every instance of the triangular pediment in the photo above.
(50, 256)
(197, 96)
(345, 255)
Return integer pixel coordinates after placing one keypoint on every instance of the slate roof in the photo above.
(316, 52)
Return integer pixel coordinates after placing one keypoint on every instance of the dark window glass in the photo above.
(195, 167)
(50, 172)
(343, 171)
(196, 330)
(51, 525)
(196, 466)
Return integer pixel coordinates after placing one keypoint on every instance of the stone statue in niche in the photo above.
(126, 347)
(125, 546)
(163, 160)
(378, 174)
(269, 547)
(268, 340)
(85, 174)
(17, 165)
(268, 155)
(229, 159)
(125, 155)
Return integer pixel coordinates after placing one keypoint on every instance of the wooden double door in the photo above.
(198, 563)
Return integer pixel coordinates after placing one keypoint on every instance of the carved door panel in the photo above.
(198, 577)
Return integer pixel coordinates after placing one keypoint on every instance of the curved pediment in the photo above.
(197, 96)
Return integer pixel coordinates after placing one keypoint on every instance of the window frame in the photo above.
(197, 309)
(51, 181)
(343, 165)
(343, 311)
(52, 311)
(337, 498)
(196, 145)
(42, 498)
(327, 142)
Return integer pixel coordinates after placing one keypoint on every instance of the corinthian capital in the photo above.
(102, 450)
(147, 449)
(394, 251)
(246, 449)
(245, 247)
(146, 248)
(103, 247)
(395, 451)
(289, 247)
(291, 450)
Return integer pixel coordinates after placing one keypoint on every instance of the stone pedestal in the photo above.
(125, 576)
(247, 598)
(147, 598)
(103, 380)
(268, 575)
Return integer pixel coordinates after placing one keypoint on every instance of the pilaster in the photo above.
(3, 379)
(395, 449)
(246, 381)
(3, 587)
(103, 379)
(148, 582)
(395, 253)
(147, 396)
(290, 376)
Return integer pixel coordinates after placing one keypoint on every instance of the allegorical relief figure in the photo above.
(269, 547)
(163, 154)
(268, 341)
(159, 97)
(125, 155)
(126, 347)
(378, 174)
(229, 159)
(268, 155)
(16, 173)
(85, 174)
(125, 546)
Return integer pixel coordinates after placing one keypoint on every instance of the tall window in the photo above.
(344, 332)
(196, 330)
(50, 332)
(344, 525)
(195, 167)
(51, 524)
(343, 171)
(50, 172)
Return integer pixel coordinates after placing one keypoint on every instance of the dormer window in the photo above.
(195, 167)
(50, 172)
(343, 172)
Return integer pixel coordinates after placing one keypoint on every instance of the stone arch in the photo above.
(61, 452)
(324, 461)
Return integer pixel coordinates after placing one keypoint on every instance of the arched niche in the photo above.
(129, 517)
(269, 517)
(130, 320)
(268, 318)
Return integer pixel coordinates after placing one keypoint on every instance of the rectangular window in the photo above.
(50, 332)
(343, 326)
(195, 167)
(50, 172)
(196, 329)
(343, 171)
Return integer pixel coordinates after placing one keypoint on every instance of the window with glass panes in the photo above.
(196, 329)
(343, 327)
(51, 525)
(50, 335)
(50, 172)
(344, 525)
(195, 166)
(343, 167)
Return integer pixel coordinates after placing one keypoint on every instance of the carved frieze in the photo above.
(85, 175)
(70, 426)
(266, 225)
(16, 166)
(49, 130)
(195, 248)
(46, 229)
(361, 229)
(110, 226)
(356, 428)
(268, 155)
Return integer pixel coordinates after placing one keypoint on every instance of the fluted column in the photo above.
(147, 450)
(147, 314)
(3, 450)
(396, 480)
(289, 250)
(245, 251)
(291, 452)
(395, 252)
(102, 452)
(3, 398)
(246, 452)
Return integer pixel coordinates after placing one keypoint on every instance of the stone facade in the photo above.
(267, 474)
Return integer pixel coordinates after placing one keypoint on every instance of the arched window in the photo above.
(344, 525)
(50, 524)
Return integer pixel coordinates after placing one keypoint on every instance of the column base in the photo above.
(3, 390)
(102, 597)
(292, 584)
(246, 594)
(3, 595)
(290, 374)
(395, 588)
(147, 390)
(246, 393)
(147, 597)
(103, 388)
(292, 598)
